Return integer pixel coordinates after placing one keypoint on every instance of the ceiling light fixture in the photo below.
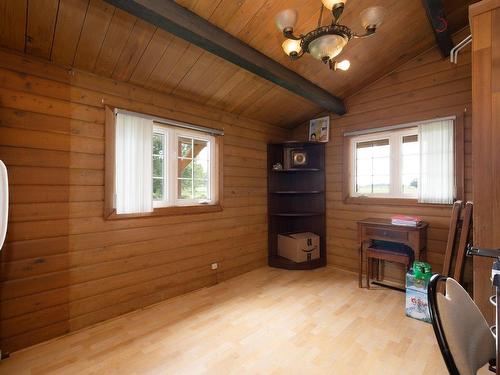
(326, 42)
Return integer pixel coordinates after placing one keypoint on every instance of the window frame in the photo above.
(166, 202)
(395, 139)
(171, 166)
(216, 204)
(459, 150)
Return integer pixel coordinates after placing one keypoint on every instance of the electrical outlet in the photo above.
(215, 266)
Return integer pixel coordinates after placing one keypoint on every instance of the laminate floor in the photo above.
(267, 321)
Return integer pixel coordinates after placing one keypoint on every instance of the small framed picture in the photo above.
(319, 129)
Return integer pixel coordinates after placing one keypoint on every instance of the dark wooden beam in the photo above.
(439, 23)
(171, 17)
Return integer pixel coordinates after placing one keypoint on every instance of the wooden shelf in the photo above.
(296, 214)
(295, 170)
(300, 143)
(296, 201)
(297, 192)
(277, 261)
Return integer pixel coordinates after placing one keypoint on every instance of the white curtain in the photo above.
(437, 181)
(134, 190)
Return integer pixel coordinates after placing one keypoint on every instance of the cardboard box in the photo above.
(299, 247)
(417, 304)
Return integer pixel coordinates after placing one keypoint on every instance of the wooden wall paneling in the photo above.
(95, 26)
(195, 74)
(218, 98)
(219, 75)
(70, 18)
(219, 17)
(82, 26)
(13, 25)
(224, 12)
(424, 88)
(110, 162)
(42, 15)
(248, 101)
(243, 92)
(121, 94)
(66, 267)
(116, 38)
(169, 59)
(151, 56)
(15, 118)
(137, 43)
(187, 60)
(174, 18)
(483, 163)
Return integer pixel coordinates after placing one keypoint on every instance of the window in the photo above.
(386, 164)
(183, 167)
(159, 165)
(414, 162)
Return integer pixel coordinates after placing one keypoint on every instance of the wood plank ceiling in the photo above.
(94, 36)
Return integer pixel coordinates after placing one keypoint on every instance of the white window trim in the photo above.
(167, 201)
(171, 167)
(395, 140)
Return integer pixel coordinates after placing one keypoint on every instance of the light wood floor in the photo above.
(268, 321)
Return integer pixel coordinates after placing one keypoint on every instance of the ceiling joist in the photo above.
(439, 23)
(179, 21)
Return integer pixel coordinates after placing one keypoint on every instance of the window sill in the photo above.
(392, 202)
(169, 211)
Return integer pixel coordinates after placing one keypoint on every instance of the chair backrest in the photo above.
(464, 337)
(452, 234)
(462, 243)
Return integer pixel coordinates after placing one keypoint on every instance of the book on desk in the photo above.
(405, 220)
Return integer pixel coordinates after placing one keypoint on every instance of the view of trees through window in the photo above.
(159, 180)
(193, 169)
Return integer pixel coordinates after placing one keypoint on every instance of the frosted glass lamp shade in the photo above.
(372, 17)
(291, 46)
(326, 47)
(329, 4)
(286, 19)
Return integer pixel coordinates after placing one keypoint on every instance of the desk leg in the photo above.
(360, 265)
(369, 262)
(380, 270)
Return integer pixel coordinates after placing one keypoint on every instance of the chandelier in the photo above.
(326, 42)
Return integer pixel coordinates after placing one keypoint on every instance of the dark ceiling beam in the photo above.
(175, 19)
(439, 23)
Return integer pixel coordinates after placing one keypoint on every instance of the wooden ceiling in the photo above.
(94, 36)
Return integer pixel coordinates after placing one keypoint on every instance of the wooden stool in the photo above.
(384, 254)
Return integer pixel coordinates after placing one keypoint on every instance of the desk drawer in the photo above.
(387, 234)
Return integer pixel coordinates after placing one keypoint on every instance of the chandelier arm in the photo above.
(369, 32)
(320, 16)
(288, 33)
(337, 11)
(296, 56)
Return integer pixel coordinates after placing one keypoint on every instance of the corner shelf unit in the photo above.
(296, 200)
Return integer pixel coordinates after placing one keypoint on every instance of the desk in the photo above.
(382, 229)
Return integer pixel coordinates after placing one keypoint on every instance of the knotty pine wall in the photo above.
(426, 87)
(64, 267)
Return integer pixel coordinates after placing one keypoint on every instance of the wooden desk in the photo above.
(381, 229)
